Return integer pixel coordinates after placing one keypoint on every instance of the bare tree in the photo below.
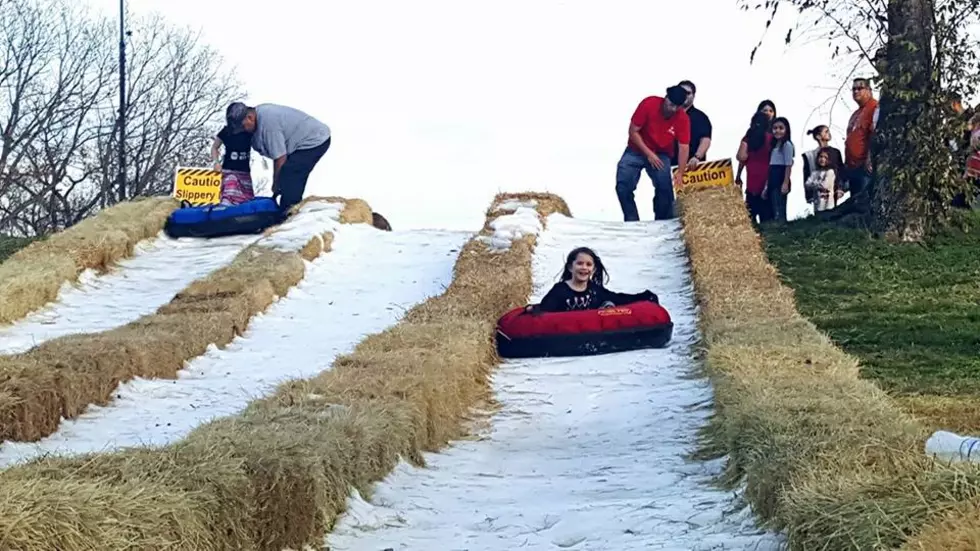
(177, 92)
(59, 116)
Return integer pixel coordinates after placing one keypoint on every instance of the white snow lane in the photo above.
(160, 268)
(364, 285)
(586, 453)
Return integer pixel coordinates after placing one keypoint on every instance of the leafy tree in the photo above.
(921, 54)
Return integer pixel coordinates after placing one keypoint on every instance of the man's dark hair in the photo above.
(694, 89)
(866, 82)
(235, 115)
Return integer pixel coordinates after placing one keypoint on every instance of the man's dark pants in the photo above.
(296, 171)
(628, 171)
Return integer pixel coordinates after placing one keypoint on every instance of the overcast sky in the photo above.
(435, 105)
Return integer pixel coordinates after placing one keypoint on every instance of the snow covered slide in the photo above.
(39, 273)
(584, 453)
(137, 286)
(62, 377)
(276, 475)
(344, 296)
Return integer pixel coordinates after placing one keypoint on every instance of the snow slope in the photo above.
(159, 269)
(586, 453)
(362, 286)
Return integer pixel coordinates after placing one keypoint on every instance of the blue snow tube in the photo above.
(221, 220)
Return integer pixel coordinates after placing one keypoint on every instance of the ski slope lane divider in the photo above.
(585, 452)
(344, 296)
(824, 455)
(139, 285)
(35, 275)
(278, 474)
(62, 377)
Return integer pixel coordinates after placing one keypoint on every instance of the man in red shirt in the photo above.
(657, 124)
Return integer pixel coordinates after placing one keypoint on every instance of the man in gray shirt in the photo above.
(294, 140)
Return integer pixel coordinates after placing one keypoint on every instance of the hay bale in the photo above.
(400, 392)
(34, 275)
(63, 376)
(825, 455)
(134, 499)
(956, 530)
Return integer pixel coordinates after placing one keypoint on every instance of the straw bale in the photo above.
(956, 530)
(825, 455)
(400, 392)
(34, 275)
(60, 378)
(143, 489)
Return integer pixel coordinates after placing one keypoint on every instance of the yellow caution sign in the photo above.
(709, 174)
(198, 186)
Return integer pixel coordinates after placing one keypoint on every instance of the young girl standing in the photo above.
(235, 167)
(821, 182)
(780, 167)
(821, 134)
(753, 155)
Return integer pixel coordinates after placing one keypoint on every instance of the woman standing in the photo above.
(753, 155)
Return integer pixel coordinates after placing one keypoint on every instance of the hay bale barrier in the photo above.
(278, 474)
(34, 275)
(60, 378)
(825, 456)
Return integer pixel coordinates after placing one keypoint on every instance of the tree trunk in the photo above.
(903, 148)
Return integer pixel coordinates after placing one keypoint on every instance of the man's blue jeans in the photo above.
(858, 180)
(631, 164)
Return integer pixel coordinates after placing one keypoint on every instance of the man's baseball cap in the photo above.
(235, 115)
(677, 95)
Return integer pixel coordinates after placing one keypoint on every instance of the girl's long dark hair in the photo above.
(789, 134)
(599, 275)
(756, 136)
(768, 102)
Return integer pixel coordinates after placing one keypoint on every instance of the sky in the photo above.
(436, 105)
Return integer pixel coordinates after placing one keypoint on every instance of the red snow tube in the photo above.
(635, 326)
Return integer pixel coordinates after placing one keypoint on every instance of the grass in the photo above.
(278, 474)
(909, 312)
(33, 276)
(59, 379)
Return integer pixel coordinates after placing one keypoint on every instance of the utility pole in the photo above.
(122, 102)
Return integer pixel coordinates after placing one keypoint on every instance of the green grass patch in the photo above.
(909, 312)
(10, 245)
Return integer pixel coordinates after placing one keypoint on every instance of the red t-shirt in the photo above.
(657, 132)
(757, 166)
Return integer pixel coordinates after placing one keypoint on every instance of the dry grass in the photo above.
(63, 376)
(278, 475)
(33, 276)
(826, 456)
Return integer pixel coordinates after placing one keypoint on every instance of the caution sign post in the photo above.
(709, 174)
(197, 186)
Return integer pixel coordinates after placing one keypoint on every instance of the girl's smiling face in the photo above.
(778, 130)
(768, 111)
(582, 268)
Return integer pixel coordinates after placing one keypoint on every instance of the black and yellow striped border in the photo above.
(196, 172)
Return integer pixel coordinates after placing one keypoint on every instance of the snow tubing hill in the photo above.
(220, 220)
(634, 326)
